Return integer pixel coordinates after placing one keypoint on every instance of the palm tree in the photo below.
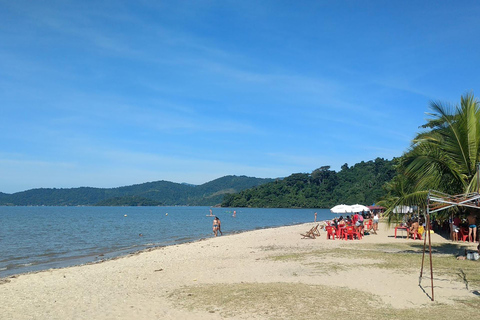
(443, 157)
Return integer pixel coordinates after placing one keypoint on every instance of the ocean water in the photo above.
(40, 238)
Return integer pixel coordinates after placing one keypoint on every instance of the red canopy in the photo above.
(375, 208)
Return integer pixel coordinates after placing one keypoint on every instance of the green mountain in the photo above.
(323, 188)
(150, 193)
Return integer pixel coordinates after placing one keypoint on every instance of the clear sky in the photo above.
(114, 93)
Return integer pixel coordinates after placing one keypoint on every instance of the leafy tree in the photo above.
(443, 157)
(323, 188)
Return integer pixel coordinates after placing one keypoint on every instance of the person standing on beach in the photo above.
(472, 227)
(359, 223)
(375, 222)
(354, 221)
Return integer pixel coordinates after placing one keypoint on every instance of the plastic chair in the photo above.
(349, 232)
(368, 225)
(417, 235)
(330, 232)
(340, 230)
(358, 233)
(463, 234)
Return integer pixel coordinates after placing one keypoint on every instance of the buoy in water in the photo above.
(124, 215)
(166, 214)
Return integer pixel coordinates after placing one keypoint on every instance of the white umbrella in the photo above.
(341, 208)
(359, 208)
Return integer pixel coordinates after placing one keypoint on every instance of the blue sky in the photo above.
(113, 93)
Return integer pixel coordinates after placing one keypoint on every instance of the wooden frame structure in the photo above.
(438, 201)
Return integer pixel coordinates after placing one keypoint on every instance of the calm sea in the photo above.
(39, 238)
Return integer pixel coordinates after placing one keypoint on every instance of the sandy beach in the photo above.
(263, 274)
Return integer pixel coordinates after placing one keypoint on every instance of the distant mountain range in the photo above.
(156, 193)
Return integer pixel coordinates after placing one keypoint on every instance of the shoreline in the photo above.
(117, 254)
(196, 279)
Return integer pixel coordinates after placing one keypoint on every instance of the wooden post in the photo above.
(424, 249)
(430, 249)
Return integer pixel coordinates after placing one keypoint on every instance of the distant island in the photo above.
(323, 188)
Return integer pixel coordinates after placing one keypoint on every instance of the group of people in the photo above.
(457, 225)
(470, 221)
(357, 220)
(415, 226)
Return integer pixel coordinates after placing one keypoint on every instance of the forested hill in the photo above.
(323, 188)
(150, 193)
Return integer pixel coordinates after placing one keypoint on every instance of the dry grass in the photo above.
(271, 300)
(300, 301)
(403, 257)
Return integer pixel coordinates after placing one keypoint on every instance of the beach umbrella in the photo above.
(341, 208)
(359, 208)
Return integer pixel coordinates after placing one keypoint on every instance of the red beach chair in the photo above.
(340, 230)
(416, 235)
(463, 234)
(368, 225)
(330, 232)
(349, 232)
(358, 233)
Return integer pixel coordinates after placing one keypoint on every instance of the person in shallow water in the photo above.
(215, 226)
(219, 226)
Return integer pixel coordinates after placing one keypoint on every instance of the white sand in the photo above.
(137, 286)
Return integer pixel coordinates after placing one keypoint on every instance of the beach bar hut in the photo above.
(438, 201)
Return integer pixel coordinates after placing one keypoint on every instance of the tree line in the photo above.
(323, 188)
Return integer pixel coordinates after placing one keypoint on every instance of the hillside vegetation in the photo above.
(323, 188)
(146, 194)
